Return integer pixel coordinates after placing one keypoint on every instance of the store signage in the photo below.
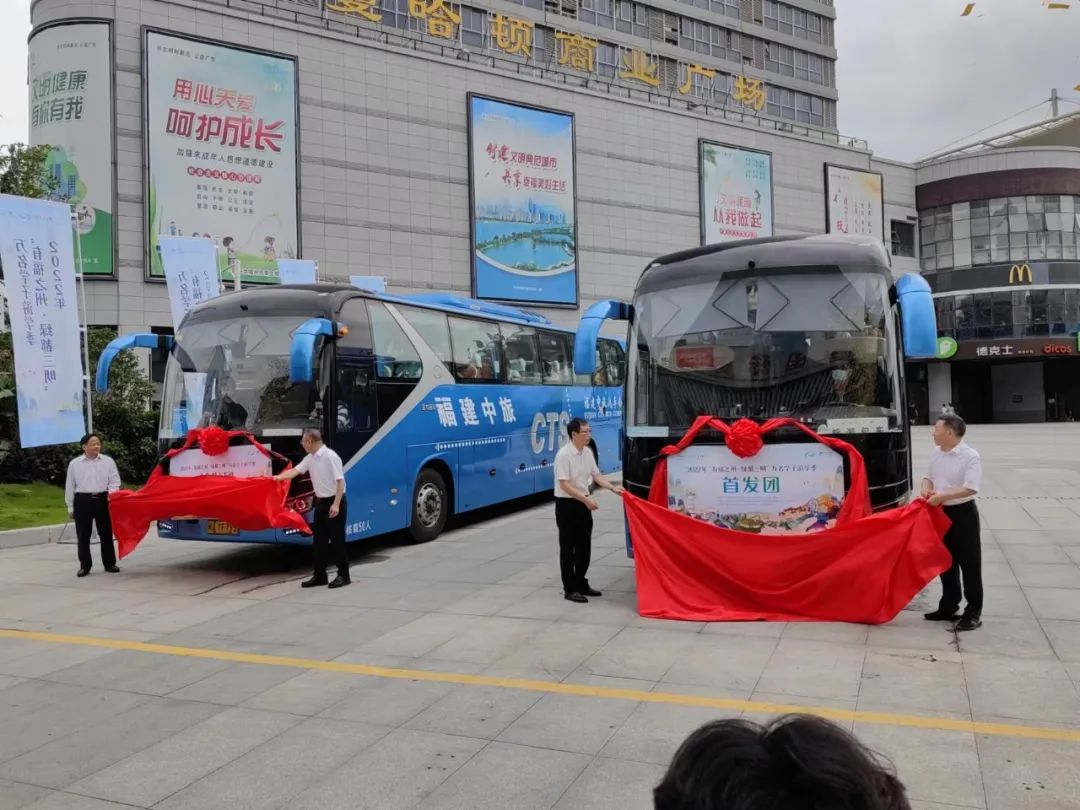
(1020, 273)
(1011, 349)
(946, 347)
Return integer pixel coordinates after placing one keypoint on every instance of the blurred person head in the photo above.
(797, 762)
(949, 431)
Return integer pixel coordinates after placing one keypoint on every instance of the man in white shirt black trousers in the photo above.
(90, 479)
(953, 481)
(331, 508)
(575, 469)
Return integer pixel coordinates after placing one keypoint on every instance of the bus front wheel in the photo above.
(431, 506)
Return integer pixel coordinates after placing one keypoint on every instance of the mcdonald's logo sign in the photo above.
(1020, 273)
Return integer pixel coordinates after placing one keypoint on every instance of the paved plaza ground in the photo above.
(577, 706)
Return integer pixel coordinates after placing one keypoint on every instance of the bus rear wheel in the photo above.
(430, 506)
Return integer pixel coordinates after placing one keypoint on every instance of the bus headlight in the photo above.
(301, 504)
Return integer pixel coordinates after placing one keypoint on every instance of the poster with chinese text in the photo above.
(191, 273)
(736, 193)
(784, 489)
(222, 153)
(524, 206)
(854, 202)
(39, 270)
(71, 111)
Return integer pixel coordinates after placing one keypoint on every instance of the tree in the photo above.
(23, 171)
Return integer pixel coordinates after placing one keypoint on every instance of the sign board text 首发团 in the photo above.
(242, 461)
(784, 489)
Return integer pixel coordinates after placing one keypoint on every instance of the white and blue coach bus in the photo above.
(437, 405)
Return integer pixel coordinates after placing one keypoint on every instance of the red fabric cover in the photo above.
(247, 503)
(866, 569)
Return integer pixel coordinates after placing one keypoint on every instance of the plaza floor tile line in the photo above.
(554, 687)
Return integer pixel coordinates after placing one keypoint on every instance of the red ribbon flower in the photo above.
(744, 440)
(213, 440)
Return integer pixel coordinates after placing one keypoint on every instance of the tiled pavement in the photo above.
(86, 727)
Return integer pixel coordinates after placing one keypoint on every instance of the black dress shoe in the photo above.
(587, 591)
(339, 582)
(571, 596)
(314, 582)
(112, 569)
(83, 572)
(941, 616)
(969, 623)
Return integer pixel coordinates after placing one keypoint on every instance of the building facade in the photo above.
(999, 224)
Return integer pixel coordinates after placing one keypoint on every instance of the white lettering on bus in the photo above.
(556, 423)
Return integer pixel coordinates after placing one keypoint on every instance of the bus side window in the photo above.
(477, 350)
(613, 361)
(433, 329)
(522, 355)
(555, 357)
(395, 356)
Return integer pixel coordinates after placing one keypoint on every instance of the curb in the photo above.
(38, 535)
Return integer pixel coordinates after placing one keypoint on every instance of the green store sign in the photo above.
(946, 348)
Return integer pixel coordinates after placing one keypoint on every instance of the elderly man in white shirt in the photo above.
(328, 529)
(90, 479)
(952, 481)
(575, 470)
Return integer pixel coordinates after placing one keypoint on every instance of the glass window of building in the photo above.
(1017, 229)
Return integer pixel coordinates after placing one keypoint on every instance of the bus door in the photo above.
(352, 412)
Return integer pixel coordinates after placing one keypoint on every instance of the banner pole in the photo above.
(80, 276)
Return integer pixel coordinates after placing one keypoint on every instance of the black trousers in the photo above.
(329, 531)
(963, 542)
(91, 509)
(575, 523)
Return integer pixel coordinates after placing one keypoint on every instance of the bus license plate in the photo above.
(221, 527)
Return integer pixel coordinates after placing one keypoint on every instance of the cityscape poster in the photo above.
(523, 203)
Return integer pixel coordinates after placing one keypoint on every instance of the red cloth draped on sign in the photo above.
(866, 569)
(247, 503)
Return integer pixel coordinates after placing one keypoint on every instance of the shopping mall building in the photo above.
(538, 152)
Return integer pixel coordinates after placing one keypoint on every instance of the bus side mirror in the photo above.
(589, 331)
(141, 340)
(302, 348)
(918, 320)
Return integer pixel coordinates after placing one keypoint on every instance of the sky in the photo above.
(913, 75)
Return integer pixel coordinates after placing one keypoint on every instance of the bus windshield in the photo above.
(814, 344)
(235, 374)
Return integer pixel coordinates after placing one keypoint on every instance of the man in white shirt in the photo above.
(952, 481)
(331, 508)
(575, 469)
(90, 479)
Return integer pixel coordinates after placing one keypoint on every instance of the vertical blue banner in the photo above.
(191, 273)
(296, 271)
(523, 203)
(39, 273)
(373, 283)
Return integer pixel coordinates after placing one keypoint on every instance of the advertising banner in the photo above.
(736, 193)
(71, 111)
(784, 489)
(854, 202)
(296, 271)
(523, 203)
(39, 269)
(221, 135)
(191, 273)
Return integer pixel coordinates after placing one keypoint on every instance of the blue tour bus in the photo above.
(815, 328)
(438, 405)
